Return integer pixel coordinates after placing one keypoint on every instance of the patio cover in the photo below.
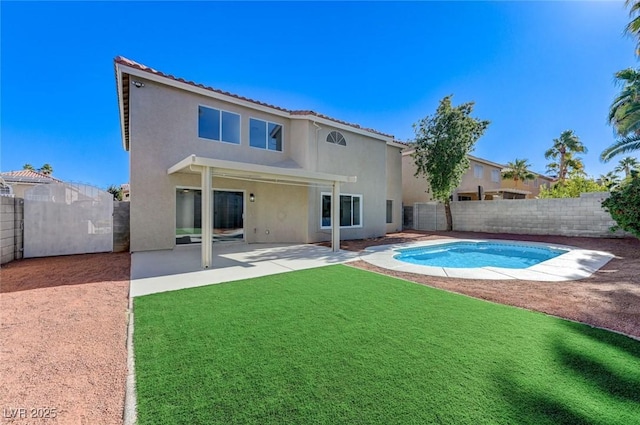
(208, 167)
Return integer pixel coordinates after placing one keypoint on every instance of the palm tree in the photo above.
(626, 165)
(624, 113)
(46, 169)
(28, 167)
(518, 170)
(633, 27)
(562, 152)
(610, 180)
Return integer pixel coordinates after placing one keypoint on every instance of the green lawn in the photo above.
(338, 345)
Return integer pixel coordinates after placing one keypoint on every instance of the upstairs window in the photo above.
(495, 176)
(214, 124)
(337, 138)
(478, 171)
(265, 135)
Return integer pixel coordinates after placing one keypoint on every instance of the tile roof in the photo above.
(28, 176)
(128, 62)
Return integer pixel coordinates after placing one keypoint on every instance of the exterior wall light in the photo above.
(252, 197)
(138, 84)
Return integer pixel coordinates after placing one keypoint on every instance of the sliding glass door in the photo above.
(227, 221)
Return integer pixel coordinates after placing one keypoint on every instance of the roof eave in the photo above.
(125, 140)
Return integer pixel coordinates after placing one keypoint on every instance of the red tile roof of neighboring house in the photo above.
(28, 176)
(128, 62)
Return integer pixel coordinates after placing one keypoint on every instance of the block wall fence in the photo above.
(582, 216)
(11, 231)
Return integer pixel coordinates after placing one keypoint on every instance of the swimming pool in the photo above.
(478, 254)
(553, 263)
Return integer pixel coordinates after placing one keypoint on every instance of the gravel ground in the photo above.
(63, 320)
(63, 330)
(610, 298)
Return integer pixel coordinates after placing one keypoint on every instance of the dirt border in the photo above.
(609, 299)
(63, 323)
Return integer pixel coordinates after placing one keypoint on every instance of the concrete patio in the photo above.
(161, 271)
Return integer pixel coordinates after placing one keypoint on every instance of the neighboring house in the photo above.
(256, 172)
(20, 181)
(482, 181)
(126, 195)
(533, 187)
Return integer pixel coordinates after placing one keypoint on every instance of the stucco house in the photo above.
(256, 172)
(21, 180)
(482, 181)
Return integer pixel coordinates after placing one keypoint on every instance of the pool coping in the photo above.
(575, 264)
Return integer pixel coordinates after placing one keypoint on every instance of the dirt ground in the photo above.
(63, 333)
(63, 320)
(610, 298)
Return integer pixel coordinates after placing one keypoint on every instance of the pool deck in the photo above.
(575, 264)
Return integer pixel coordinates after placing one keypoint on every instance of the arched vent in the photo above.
(337, 138)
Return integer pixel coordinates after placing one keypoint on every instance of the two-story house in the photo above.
(482, 181)
(254, 172)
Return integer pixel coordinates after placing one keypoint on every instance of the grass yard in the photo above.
(338, 345)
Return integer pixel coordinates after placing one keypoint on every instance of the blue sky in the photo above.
(534, 69)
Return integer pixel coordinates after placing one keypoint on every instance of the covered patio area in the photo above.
(169, 270)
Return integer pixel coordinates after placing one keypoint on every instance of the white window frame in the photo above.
(477, 167)
(219, 139)
(495, 176)
(353, 195)
(267, 122)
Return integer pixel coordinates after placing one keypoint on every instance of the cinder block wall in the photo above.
(121, 226)
(11, 219)
(582, 216)
(429, 216)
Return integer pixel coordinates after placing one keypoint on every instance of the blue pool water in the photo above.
(478, 254)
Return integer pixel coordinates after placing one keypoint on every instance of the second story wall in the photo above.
(480, 173)
(167, 124)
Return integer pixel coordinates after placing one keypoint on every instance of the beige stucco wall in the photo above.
(414, 189)
(164, 130)
(469, 183)
(394, 187)
(363, 157)
(20, 188)
(532, 186)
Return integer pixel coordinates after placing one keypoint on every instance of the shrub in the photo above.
(624, 206)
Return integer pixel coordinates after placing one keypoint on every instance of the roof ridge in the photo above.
(133, 64)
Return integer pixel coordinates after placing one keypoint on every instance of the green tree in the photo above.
(563, 155)
(443, 141)
(46, 169)
(624, 112)
(626, 165)
(610, 180)
(116, 191)
(28, 167)
(518, 170)
(633, 27)
(624, 115)
(624, 205)
(572, 188)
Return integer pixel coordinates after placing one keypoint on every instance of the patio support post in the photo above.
(207, 218)
(335, 217)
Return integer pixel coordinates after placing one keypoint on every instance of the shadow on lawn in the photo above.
(598, 383)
